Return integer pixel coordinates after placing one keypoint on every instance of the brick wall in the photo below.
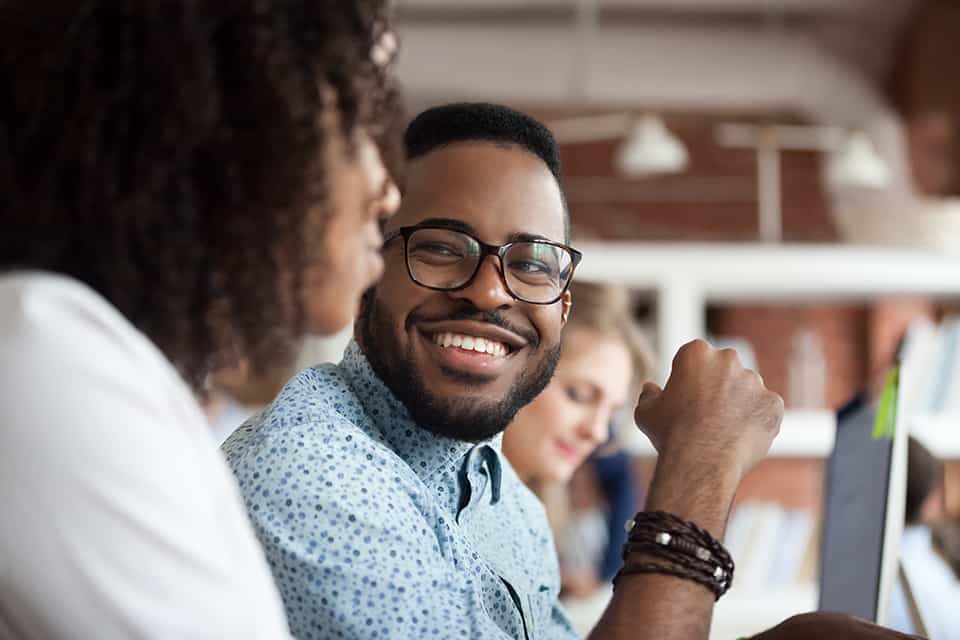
(841, 329)
(715, 199)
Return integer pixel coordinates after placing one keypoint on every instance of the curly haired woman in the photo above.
(183, 185)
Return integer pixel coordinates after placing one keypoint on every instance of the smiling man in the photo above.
(377, 485)
(466, 346)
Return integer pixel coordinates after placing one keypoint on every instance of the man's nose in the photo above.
(487, 290)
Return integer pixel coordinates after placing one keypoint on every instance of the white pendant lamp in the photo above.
(650, 149)
(856, 164)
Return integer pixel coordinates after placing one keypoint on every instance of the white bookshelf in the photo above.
(810, 434)
(685, 278)
(803, 434)
(940, 433)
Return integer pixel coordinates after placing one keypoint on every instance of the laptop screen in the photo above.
(855, 508)
(864, 502)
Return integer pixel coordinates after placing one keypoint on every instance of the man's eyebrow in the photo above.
(460, 225)
(449, 223)
(527, 237)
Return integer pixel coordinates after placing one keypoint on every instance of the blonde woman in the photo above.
(605, 358)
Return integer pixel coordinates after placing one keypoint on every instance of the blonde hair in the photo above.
(605, 309)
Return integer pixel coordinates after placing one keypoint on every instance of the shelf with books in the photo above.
(687, 277)
(932, 355)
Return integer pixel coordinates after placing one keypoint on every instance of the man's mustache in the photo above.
(493, 317)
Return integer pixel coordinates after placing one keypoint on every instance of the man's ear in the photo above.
(567, 302)
(363, 312)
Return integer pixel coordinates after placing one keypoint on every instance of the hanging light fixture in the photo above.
(853, 162)
(649, 149)
(856, 164)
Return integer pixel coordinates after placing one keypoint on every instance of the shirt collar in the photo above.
(434, 458)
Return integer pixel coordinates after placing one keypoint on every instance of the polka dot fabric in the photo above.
(376, 528)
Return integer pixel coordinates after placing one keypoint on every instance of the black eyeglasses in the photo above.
(443, 259)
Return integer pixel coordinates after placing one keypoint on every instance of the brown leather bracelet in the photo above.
(637, 568)
(681, 548)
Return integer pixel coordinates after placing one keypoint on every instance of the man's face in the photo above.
(496, 193)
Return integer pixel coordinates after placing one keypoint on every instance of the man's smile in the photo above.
(470, 347)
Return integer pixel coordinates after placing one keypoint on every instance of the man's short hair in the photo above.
(481, 121)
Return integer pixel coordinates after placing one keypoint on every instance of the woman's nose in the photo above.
(595, 428)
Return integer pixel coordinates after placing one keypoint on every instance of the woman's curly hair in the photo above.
(170, 154)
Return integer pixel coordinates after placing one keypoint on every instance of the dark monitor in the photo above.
(863, 517)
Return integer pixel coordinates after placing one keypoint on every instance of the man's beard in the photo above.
(466, 419)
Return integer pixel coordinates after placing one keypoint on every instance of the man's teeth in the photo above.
(471, 343)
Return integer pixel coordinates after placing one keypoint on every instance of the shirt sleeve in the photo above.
(119, 517)
(352, 554)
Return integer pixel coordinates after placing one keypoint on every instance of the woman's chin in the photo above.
(330, 320)
(559, 473)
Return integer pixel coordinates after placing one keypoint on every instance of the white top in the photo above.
(934, 585)
(118, 516)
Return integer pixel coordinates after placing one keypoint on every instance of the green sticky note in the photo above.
(886, 423)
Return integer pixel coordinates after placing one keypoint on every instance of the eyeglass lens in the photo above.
(447, 259)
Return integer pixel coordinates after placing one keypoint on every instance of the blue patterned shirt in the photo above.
(377, 528)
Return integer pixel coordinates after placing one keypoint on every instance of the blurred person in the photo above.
(604, 358)
(377, 485)
(946, 538)
(184, 185)
(934, 585)
(233, 395)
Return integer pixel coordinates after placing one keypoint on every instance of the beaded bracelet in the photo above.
(681, 548)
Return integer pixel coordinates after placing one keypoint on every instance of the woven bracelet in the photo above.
(683, 549)
(663, 569)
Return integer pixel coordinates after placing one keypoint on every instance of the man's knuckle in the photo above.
(730, 359)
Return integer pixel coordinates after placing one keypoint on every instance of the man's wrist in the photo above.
(700, 491)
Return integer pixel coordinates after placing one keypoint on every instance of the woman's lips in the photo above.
(568, 451)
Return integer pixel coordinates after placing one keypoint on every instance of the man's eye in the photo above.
(437, 249)
(529, 266)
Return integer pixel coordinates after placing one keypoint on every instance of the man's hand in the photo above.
(829, 625)
(711, 423)
(712, 412)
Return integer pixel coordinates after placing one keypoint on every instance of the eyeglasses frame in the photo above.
(485, 250)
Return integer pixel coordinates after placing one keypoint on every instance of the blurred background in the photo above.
(781, 176)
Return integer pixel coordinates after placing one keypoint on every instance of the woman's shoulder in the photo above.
(64, 346)
(45, 314)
